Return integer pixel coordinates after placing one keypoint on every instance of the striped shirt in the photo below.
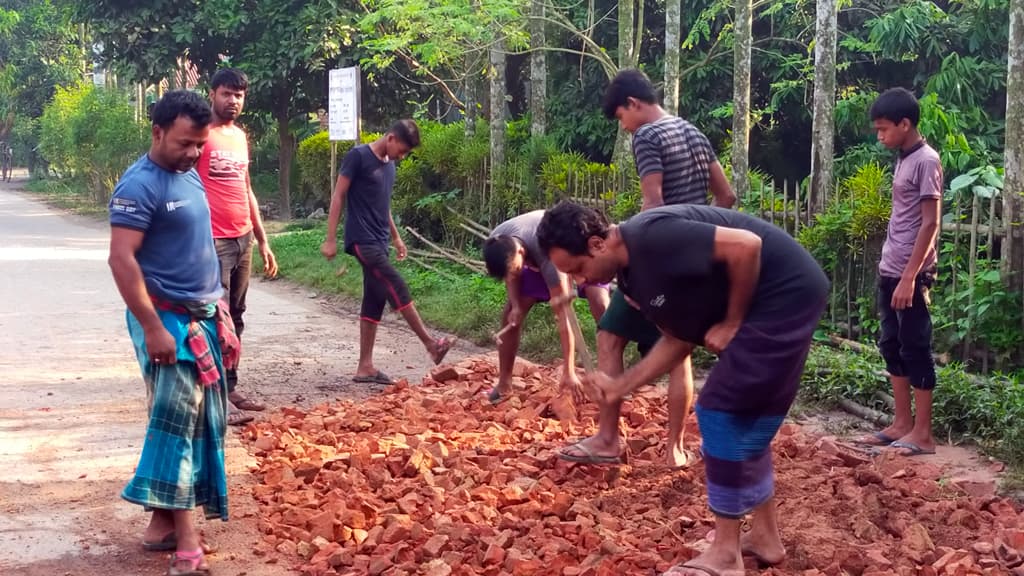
(681, 153)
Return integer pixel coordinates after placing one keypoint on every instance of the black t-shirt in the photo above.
(674, 279)
(368, 201)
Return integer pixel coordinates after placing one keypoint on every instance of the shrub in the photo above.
(314, 160)
(91, 134)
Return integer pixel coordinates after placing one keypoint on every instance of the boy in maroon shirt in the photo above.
(906, 271)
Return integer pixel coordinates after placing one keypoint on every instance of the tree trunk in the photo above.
(472, 96)
(538, 70)
(673, 17)
(621, 154)
(1013, 161)
(282, 113)
(497, 107)
(822, 142)
(741, 99)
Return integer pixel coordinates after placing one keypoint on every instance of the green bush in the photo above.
(91, 134)
(314, 160)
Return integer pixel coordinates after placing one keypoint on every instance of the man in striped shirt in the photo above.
(677, 165)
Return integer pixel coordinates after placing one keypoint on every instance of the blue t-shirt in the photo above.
(177, 257)
(368, 202)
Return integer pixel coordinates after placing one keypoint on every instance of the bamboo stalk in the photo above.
(869, 414)
(450, 254)
(972, 268)
(432, 268)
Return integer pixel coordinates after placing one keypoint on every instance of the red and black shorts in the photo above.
(381, 282)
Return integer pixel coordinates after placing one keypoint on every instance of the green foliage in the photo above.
(314, 159)
(987, 411)
(91, 134)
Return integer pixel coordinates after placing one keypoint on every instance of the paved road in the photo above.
(72, 405)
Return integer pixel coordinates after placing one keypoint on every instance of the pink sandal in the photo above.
(194, 560)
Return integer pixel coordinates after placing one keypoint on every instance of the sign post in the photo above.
(342, 112)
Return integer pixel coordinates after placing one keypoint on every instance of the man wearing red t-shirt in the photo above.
(235, 214)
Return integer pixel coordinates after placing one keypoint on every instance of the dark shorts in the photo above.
(743, 404)
(905, 339)
(532, 285)
(623, 320)
(382, 284)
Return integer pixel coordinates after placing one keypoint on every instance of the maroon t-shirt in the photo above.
(918, 176)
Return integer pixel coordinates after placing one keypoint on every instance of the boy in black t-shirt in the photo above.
(736, 285)
(364, 187)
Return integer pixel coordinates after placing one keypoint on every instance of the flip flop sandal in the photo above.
(378, 378)
(238, 418)
(170, 542)
(587, 457)
(495, 397)
(691, 457)
(691, 566)
(882, 439)
(249, 405)
(195, 561)
(443, 346)
(914, 449)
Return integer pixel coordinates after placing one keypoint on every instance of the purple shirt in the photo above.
(918, 176)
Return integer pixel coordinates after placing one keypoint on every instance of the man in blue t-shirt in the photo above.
(165, 266)
(364, 188)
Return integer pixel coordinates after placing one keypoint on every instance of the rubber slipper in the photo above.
(378, 378)
(914, 449)
(495, 397)
(877, 439)
(249, 405)
(170, 542)
(587, 457)
(691, 566)
(443, 346)
(237, 417)
(196, 564)
(691, 457)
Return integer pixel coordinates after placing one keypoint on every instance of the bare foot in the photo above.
(713, 563)
(158, 529)
(764, 549)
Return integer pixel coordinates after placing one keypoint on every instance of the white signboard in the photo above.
(343, 104)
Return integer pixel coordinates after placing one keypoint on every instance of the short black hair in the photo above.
(894, 105)
(407, 132)
(498, 251)
(569, 226)
(629, 83)
(177, 103)
(231, 77)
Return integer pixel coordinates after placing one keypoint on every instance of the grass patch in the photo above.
(66, 195)
(461, 302)
(986, 411)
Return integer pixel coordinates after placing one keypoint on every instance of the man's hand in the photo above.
(610, 389)
(160, 346)
(400, 249)
(515, 316)
(903, 296)
(571, 384)
(329, 249)
(270, 261)
(720, 335)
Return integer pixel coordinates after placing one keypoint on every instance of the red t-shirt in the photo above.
(223, 167)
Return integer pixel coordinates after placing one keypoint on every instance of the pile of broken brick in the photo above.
(433, 480)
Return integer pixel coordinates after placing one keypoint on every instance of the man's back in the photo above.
(681, 153)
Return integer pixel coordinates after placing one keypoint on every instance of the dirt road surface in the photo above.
(72, 403)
